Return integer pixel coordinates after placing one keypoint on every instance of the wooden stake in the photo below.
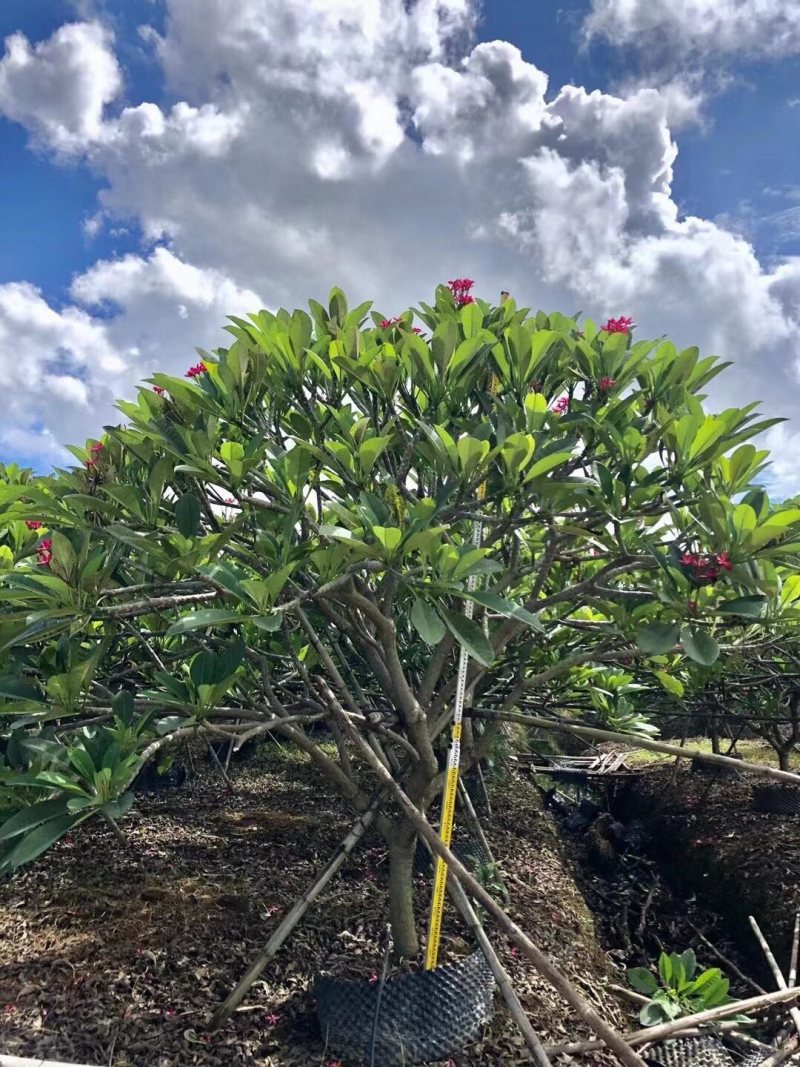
(795, 944)
(688, 1022)
(298, 910)
(545, 966)
(634, 742)
(776, 971)
(515, 1009)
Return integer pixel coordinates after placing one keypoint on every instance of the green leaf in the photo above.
(642, 981)
(749, 606)
(665, 968)
(689, 961)
(39, 840)
(657, 638)
(471, 636)
(671, 684)
(187, 514)
(13, 687)
(547, 463)
(197, 620)
(427, 622)
(505, 607)
(699, 645)
(31, 817)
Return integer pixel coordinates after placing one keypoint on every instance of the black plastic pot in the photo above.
(774, 799)
(424, 1016)
(691, 1052)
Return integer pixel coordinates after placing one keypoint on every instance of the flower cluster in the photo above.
(620, 325)
(159, 389)
(561, 406)
(94, 458)
(706, 569)
(196, 370)
(34, 524)
(387, 324)
(606, 383)
(460, 288)
(45, 551)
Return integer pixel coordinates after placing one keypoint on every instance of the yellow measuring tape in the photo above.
(454, 755)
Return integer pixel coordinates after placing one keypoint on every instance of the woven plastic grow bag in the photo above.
(697, 1052)
(424, 1016)
(471, 853)
(776, 799)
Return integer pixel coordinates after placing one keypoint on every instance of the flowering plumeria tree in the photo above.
(288, 537)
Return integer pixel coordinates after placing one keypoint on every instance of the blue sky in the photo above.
(155, 137)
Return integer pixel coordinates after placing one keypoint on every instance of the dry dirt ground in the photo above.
(116, 956)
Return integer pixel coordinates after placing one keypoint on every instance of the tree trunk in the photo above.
(784, 758)
(402, 848)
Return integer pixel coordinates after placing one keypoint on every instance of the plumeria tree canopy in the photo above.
(285, 538)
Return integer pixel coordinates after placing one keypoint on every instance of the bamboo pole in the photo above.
(298, 910)
(662, 1030)
(515, 1009)
(609, 1036)
(635, 742)
(795, 946)
(15, 1061)
(782, 1054)
(777, 973)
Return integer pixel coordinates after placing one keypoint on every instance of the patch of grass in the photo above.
(753, 751)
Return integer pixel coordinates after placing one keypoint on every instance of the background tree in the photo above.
(286, 536)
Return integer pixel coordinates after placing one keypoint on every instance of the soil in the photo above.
(714, 845)
(117, 956)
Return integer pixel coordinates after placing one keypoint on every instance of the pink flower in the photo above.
(10, 1009)
(274, 909)
(335, 1063)
(387, 324)
(45, 551)
(373, 978)
(98, 446)
(620, 325)
(561, 406)
(273, 1018)
(723, 561)
(416, 329)
(460, 288)
(606, 383)
(196, 370)
(34, 524)
(159, 389)
(169, 1012)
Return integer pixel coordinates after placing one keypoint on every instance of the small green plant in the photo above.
(679, 992)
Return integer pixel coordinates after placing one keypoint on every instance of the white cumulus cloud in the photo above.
(60, 88)
(371, 144)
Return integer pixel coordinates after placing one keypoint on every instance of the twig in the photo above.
(379, 998)
(728, 963)
(646, 908)
(221, 769)
(630, 994)
(776, 971)
(688, 1022)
